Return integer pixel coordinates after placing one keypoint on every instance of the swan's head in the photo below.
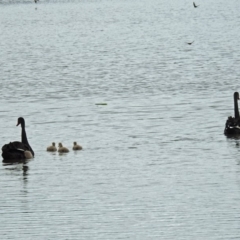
(236, 95)
(53, 144)
(74, 143)
(20, 121)
(60, 145)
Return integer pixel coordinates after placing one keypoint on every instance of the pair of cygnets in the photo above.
(63, 149)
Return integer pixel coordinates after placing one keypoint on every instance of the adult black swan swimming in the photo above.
(232, 126)
(18, 151)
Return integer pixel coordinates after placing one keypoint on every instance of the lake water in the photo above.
(155, 163)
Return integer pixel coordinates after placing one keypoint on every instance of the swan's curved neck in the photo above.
(24, 137)
(236, 112)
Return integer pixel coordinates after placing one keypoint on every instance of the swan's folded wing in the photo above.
(14, 151)
(12, 146)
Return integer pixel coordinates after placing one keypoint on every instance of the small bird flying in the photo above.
(190, 43)
(195, 5)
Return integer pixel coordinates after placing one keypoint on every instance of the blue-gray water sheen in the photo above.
(155, 163)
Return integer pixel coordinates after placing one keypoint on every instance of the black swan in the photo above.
(232, 126)
(18, 151)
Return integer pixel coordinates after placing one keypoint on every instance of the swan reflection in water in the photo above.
(25, 169)
(15, 169)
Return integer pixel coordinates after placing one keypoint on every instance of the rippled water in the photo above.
(155, 163)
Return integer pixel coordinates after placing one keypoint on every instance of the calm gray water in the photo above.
(155, 163)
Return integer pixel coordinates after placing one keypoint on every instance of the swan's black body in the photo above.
(232, 126)
(14, 151)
